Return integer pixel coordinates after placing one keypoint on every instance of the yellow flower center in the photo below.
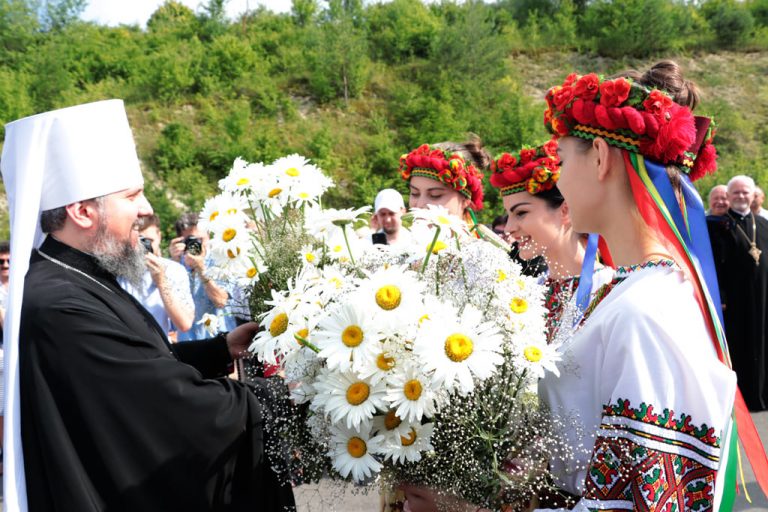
(385, 363)
(518, 305)
(232, 211)
(521, 284)
(274, 192)
(337, 248)
(292, 172)
(232, 255)
(442, 219)
(207, 322)
(309, 257)
(279, 324)
(243, 181)
(335, 281)
(439, 246)
(501, 277)
(408, 441)
(303, 195)
(251, 272)
(458, 347)
(301, 334)
(532, 354)
(356, 447)
(213, 216)
(388, 297)
(412, 389)
(358, 393)
(352, 336)
(391, 421)
(423, 318)
(228, 234)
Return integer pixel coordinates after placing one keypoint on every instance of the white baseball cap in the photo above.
(390, 199)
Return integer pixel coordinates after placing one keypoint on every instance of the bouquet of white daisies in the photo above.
(267, 221)
(416, 366)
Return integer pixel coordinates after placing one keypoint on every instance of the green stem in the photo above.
(346, 241)
(306, 343)
(430, 249)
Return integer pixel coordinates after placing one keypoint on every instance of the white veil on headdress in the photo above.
(51, 160)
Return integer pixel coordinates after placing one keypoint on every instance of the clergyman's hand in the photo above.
(239, 339)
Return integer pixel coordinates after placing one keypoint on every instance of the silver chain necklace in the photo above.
(73, 269)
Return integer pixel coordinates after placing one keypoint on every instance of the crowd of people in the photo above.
(117, 396)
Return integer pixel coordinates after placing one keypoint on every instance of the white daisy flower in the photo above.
(352, 452)
(389, 355)
(321, 223)
(439, 216)
(276, 337)
(410, 393)
(538, 357)
(242, 178)
(210, 322)
(408, 447)
(390, 426)
(394, 293)
(217, 207)
(310, 255)
(348, 336)
(457, 349)
(347, 398)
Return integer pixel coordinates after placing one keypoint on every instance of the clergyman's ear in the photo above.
(83, 213)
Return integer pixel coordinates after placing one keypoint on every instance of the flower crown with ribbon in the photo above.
(531, 170)
(449, 168)
(631, 116)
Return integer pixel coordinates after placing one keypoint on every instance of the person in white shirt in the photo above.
(387, 220)
(757, 203)
(164, 290)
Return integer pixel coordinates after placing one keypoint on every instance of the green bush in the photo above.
(731, 21)
(401, 29)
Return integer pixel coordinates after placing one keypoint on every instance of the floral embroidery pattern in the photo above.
(646, 461)
(559, 292)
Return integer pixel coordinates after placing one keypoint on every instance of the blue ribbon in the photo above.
(584, 289)
(694, 232)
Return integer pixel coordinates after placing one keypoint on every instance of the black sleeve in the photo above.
(210, 357)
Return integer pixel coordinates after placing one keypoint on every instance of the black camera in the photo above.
(146, 242)
(379, 238)
(193, 245)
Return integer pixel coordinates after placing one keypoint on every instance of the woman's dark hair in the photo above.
(472, 150)
(501, 220)
(552, 197)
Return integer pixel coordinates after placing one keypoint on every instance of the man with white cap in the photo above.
(388, 210)
(102, 412)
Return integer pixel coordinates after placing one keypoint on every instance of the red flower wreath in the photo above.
(532, 170)
(449, 169)
(632, 117)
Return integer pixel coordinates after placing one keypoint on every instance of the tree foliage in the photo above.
(354, 85)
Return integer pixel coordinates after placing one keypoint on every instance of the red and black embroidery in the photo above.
(647, 462)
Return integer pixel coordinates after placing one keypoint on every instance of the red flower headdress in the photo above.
(633, 117)
(448, 168)
(532, 170)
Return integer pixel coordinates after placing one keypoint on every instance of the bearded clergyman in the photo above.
(740, 248)
(102, 412)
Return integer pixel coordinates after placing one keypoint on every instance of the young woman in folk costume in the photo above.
(448, 174)
(648, 375)
(539, 220)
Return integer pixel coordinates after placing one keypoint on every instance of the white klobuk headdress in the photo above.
(51, 160)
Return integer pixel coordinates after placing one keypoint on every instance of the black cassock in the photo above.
(743, 287)
(115, 418)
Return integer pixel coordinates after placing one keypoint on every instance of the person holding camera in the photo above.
(164, 289)
(387, 220)
(209, 295)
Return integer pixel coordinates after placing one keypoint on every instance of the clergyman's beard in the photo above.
(119, 257)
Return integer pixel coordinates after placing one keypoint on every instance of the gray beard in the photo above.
(119, 258)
